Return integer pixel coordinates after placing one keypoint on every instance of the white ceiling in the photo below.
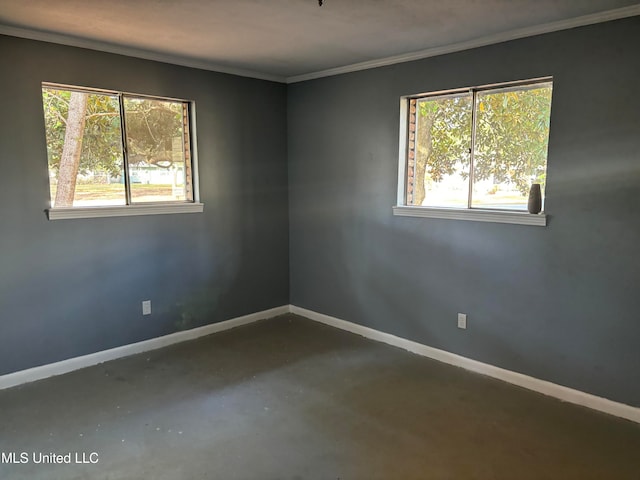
(294, 39)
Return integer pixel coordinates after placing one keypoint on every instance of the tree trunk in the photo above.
(70, 160)
(423, 152)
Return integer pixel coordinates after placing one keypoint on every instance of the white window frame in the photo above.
(151, 208)
(473, 214)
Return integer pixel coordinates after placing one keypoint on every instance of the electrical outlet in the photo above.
(462, 320)
(146, 307)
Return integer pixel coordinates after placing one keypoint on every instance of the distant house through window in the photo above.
(108, 148)
(477, 148)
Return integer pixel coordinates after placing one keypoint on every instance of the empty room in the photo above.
(304, 239)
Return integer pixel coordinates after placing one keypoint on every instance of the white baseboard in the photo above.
(76, 363)
(541, 386)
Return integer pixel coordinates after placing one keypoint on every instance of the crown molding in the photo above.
(581, 21)
(72, 41)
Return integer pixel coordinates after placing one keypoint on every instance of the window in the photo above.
(479, 149)
(125, 154)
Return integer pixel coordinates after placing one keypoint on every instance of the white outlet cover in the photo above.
(462, 320)
(146, 307)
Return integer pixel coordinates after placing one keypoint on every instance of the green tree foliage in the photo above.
(512, 134)
(443, 140)
(101, 139)
(512, 129)
(153, 126)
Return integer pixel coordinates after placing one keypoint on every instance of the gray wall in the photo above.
(561, 303)
(73, 287)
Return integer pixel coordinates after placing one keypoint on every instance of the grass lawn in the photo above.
(96, 195)
(115, 191)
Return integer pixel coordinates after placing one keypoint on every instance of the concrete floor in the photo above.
(288, 398)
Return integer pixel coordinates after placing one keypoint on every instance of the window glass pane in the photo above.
(512, 135)
(157, 149)
(84, 148)
(439, 143)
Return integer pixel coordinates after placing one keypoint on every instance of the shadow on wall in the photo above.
(196, 309)
(410, 278)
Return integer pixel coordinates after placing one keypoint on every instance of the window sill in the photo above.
(123, 210)
(474, 215)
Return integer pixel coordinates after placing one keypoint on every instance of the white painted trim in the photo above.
(402, 150)
(473, 214)
(541, 386)
(100, 46)
(72, 41)
(124, 210)
(581, 21)
(195, 170)
(66, 366)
